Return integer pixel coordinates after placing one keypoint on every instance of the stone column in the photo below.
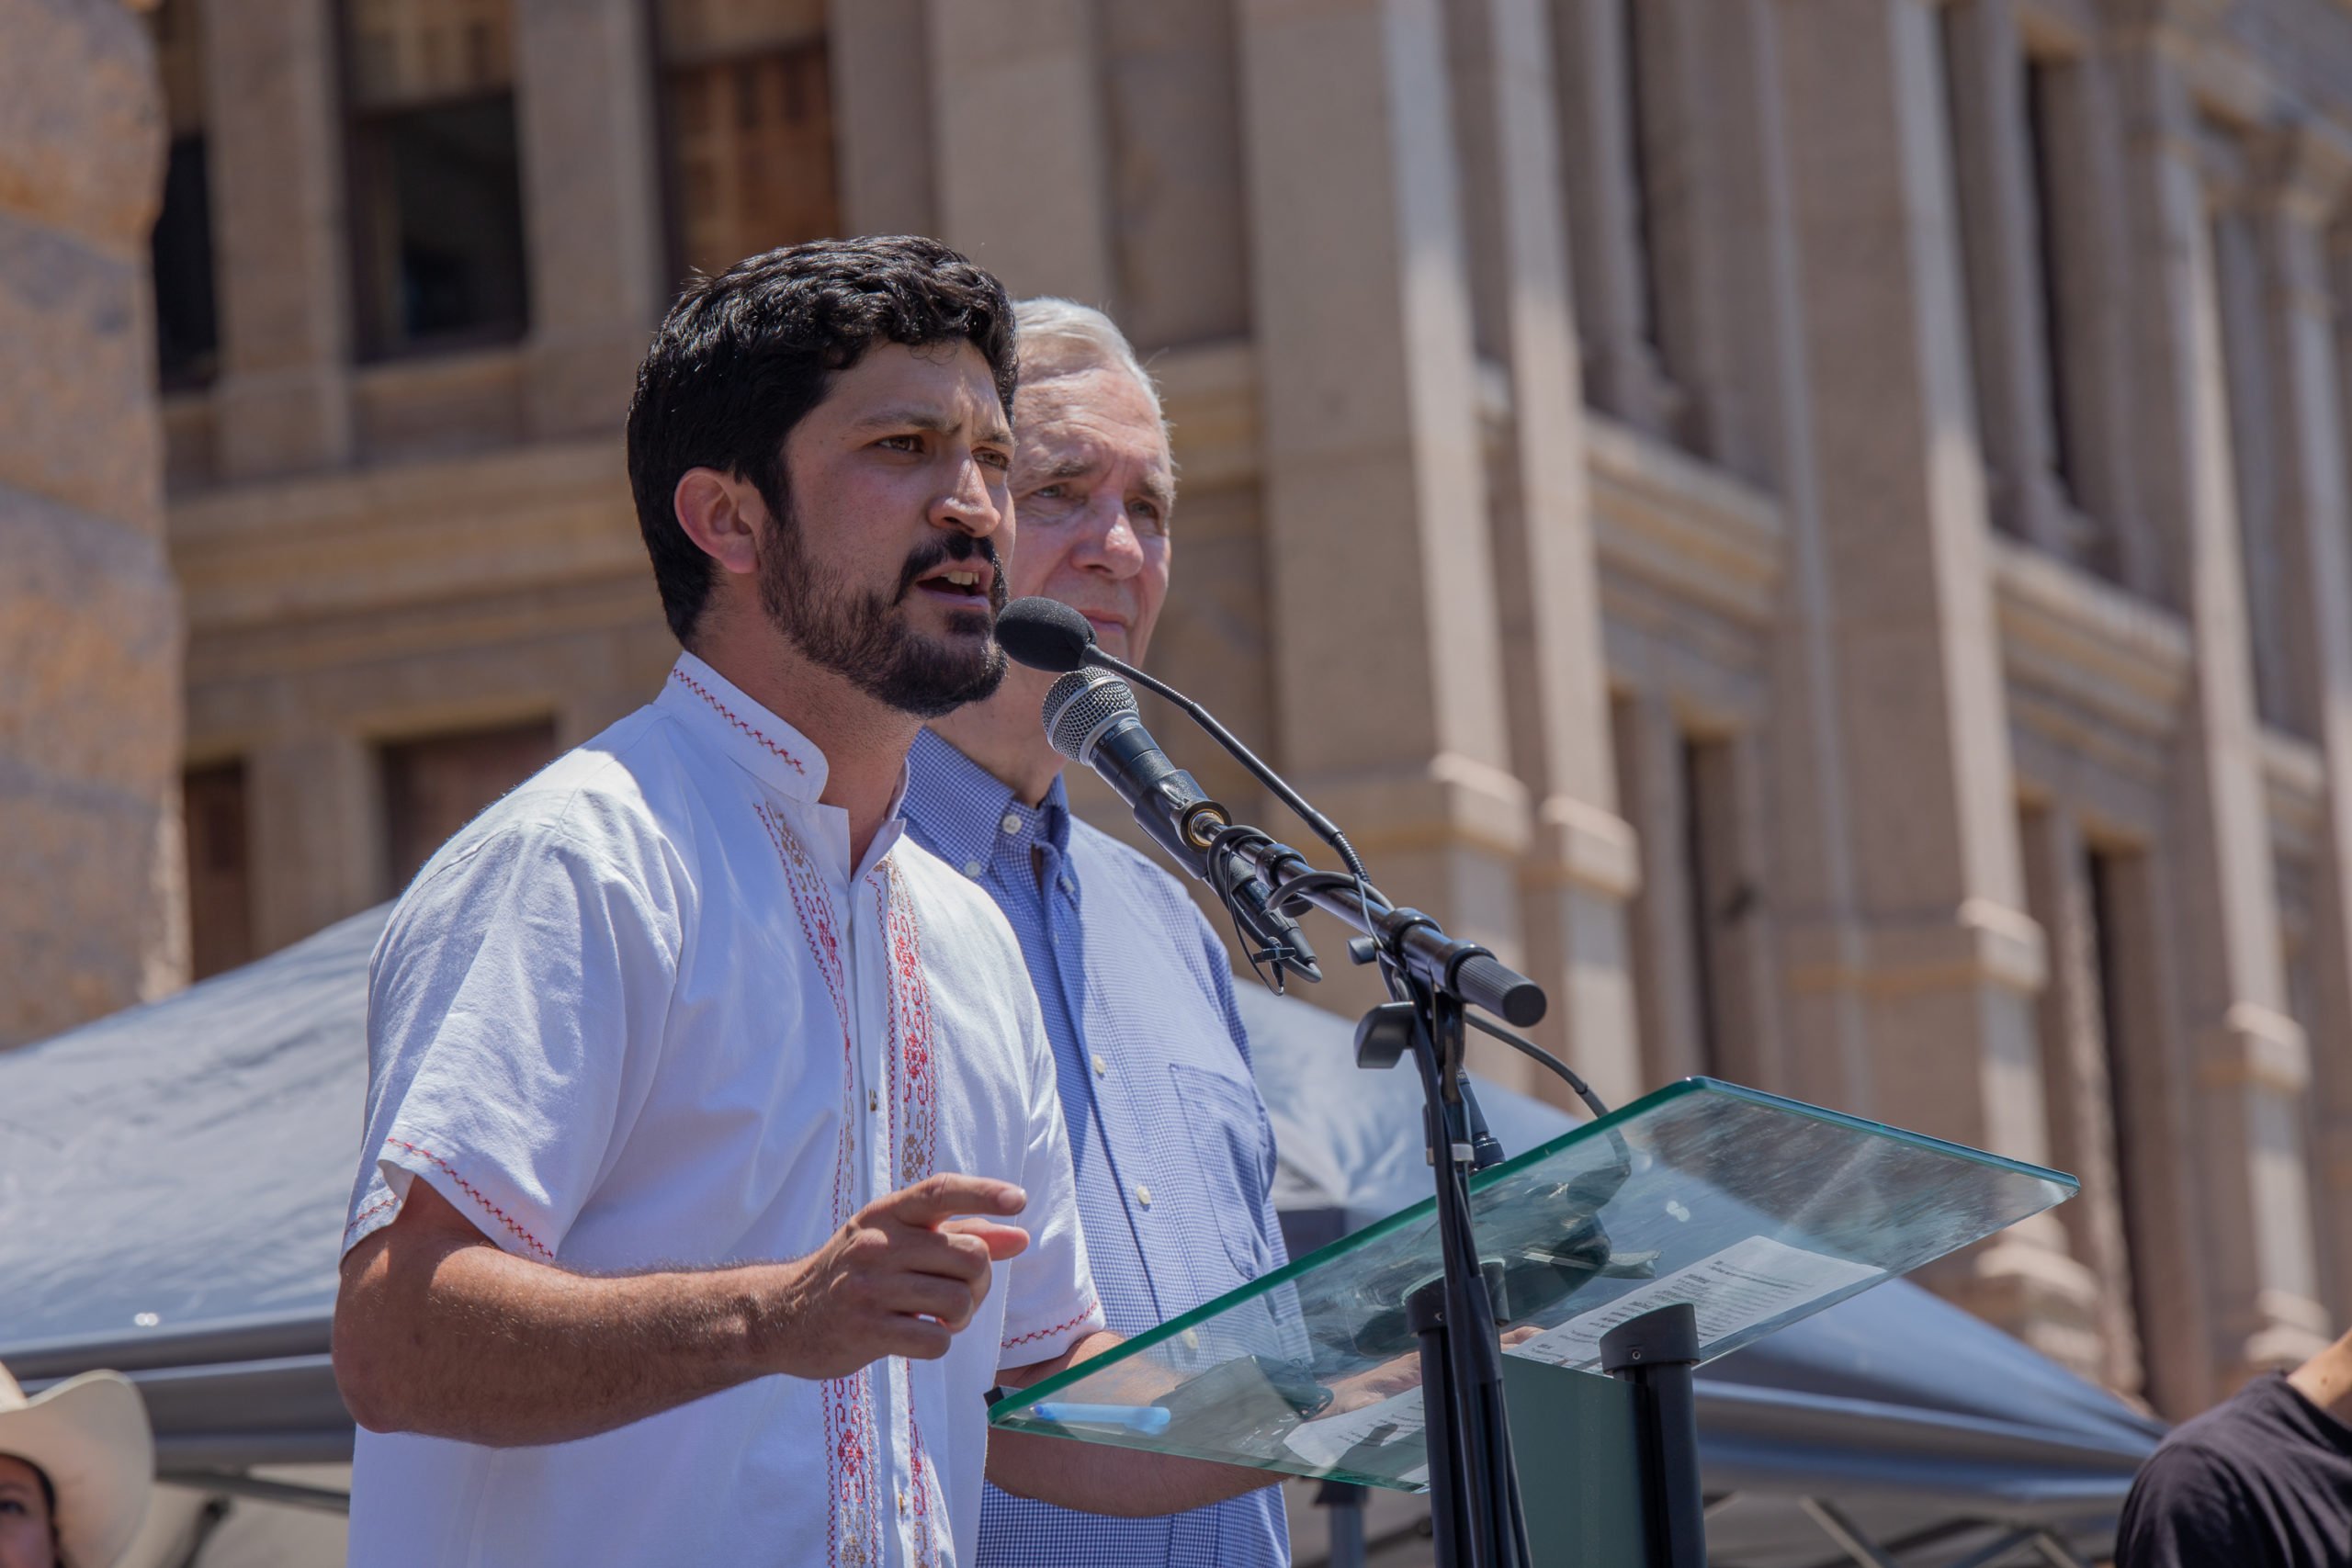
(2251, 1242)
(1604, 202)
(1019, 144)
(1386, 661)
(583, 101)
(1670, 988)
(2305, 184)
(2074, 1036)
(1576, 879)
(2017, 414)
(282, 247)
(320, 855)
(879, 55)
(93, 906)
(2106, 442)
(1682, 141)
(1945, 979)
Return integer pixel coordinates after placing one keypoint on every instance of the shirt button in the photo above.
(1143, 1194)
(971, 868)
(1067, 885)
(1012, 824)
(902, 1501)
(1101, 1068)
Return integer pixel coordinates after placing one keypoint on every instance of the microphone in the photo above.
(1091, 717)
(1044, 634)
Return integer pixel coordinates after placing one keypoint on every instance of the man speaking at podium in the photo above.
(1174, 1153)
(714, 1168)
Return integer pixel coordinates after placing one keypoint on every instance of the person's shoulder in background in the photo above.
(2209, 1493)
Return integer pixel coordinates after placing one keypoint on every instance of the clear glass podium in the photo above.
(1755, 1209)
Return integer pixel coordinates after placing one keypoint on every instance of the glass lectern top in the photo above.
(1757, 1209)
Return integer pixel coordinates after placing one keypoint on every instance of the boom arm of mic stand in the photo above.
(1414, 942)
(1324, 828)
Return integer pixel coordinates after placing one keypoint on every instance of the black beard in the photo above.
(860, 635)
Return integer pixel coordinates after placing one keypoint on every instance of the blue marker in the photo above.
(1148, 1420)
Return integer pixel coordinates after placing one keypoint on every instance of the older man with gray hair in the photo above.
(1172, 1148)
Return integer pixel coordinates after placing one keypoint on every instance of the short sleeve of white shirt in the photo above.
(1050, 1305)
(515, 1008)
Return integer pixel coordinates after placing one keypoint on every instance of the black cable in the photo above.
(1322, 826)
(1527, 1048)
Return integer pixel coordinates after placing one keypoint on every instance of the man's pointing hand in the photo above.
(902, 1277)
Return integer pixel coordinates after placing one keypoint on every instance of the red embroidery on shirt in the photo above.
(723, 711)
(914, 1080)
(472, 1191)
(914, 1139)
(924, 1478)
(854, 1537)
(369, 1213)
(1084, 1314)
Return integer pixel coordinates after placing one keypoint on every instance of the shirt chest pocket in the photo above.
(1230, 1139)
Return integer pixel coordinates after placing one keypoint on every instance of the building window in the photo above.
(2017, 138)
(1632, 164)
(748, 127)
(1691, 933)
(2047, 84)
(2117, 881)
(2255, 465)
(220, 869)
(435, 785)
(1712, 891)
(187, 336)
(436, 209)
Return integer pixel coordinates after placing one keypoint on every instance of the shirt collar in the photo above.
(962, 807)
(764, 745)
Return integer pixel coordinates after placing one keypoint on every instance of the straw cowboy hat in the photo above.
(89, 1436)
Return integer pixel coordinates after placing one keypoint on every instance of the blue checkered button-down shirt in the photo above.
(1175, 1156)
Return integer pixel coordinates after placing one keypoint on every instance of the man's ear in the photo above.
(723, 515)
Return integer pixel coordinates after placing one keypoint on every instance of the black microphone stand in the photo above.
(1473, 1487)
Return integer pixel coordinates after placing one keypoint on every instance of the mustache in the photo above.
(945, 547)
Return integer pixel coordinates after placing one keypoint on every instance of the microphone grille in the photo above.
(1080, 705)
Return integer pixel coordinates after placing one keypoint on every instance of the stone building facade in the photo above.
(1816, 527)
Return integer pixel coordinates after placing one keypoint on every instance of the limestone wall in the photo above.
(90, 915)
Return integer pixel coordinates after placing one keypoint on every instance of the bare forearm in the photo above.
(490, 1349)
(1098, 1478)
(437, 1331)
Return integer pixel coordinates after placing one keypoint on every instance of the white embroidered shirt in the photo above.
(644, 1013)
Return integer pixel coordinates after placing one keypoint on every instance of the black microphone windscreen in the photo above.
(1044, 634)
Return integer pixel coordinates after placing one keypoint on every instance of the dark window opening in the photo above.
(1953, 20)
(1640, 177)
(1706, 765)
(187, 336)
(436, 785)
(2110, 876)
(220, 869)
(438, 210)
(187, 333)
(2044, 81)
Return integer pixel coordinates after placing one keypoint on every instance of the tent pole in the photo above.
(1843, 1530)
(230, 1483)
(1994, 1553)
(2056, 1553)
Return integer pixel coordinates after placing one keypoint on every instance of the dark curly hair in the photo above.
(744, 356)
